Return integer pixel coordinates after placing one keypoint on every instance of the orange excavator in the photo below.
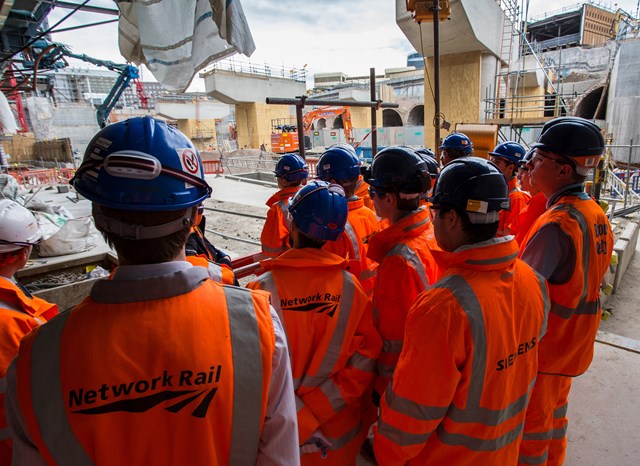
(284, 136)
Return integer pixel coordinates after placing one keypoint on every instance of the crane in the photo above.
(284, 137)
(50, 58)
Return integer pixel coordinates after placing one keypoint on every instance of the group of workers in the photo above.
(441, 327)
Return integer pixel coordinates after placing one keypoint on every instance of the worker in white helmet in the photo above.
(19, 310)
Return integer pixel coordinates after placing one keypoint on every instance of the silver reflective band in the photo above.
(362, 363)
(400, 437)
(5, 434)
(3, 385)
(478, 444)
(534, 460)
(215, 272)
(413, 409)
(413, 259)
(353, 239)
(392, 346)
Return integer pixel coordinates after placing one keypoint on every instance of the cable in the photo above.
(42, 34)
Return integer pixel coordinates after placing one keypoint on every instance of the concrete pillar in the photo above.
(253, 122)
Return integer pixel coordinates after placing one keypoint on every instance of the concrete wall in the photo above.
(201, 132)
(460, 94)
(234, 88)
(253, 123)
(197, 109)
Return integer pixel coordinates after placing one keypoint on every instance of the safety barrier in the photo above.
(213, 167)
(247, 265)
(30, 178)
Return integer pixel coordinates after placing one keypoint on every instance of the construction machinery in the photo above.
(284, 136)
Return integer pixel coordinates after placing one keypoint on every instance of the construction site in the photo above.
(485, 68)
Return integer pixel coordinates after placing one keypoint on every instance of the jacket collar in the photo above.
(305, 258)
(494, 254)
(409, 227)
(572, 189)
(283, 194)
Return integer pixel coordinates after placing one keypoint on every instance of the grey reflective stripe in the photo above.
(333, 350)
(561, 411)
(5, 305)
(469, 303)
(333, 394)
(353, 239)
(367, 274)
(47, 398)
(362, 363)
(267, 283)
(413, 226)
(537, 435)
(284, 207)
(3, 385)
(492, 417)
(274, 250)
(385, 370)
(340, 442)
(392, 346)
(533, 460)
(559, 433)
(147, 289)
(215, 272)
(493, 261)
(4, 434)
(478, 444)
(413, 259)
(400, 437)
(412, 409)
(583, 307)
(299, 404)
(547, 304)
(247, 376)
(374, 312)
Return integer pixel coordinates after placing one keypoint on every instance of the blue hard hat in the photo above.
(458, 141)
(338, 163)
(291, 167)
(142, 164)
(510, 150)
(319, 210)
(400, 169)
(475, 186)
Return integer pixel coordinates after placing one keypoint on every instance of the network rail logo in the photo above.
(186, 388)
(318, 303)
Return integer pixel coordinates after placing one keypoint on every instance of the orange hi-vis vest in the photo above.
(275, 233)
(19, 314)
(567, 348)
(333, 346)
(518, 200)
(219, 273)
(460, 391)
(406, 269)
(362, 191)
(166, 370)
(352, 244)
(522, 223)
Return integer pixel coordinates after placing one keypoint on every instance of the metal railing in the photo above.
(256, 69)
(520, 106)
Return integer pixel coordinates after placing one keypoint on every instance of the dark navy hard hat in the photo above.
(399, 169)
(338, 163)
(458, 141)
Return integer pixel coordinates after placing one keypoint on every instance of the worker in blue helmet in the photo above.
(291, 173)
(327, 317)
(507, 156)
(156, 321)
(342, 166)
(455, 146)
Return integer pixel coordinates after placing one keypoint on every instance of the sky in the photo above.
(323, 36)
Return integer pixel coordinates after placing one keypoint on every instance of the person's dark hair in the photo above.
(454, 153)
(474, 232)
(306, 242)
(349, 186)
(145, 251)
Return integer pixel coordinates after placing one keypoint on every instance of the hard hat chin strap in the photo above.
(137, 232)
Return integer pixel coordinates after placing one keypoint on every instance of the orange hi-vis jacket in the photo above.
(518, 200)
(468, 365)
(361, 225)
(528, 215)
(333, 345)
(362, 191)
(406, 269)
(19, 314)
(219, 273)
(166, 370)
(567, 348)
(275, 233)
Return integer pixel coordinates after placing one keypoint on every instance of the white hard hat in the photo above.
(18, 227)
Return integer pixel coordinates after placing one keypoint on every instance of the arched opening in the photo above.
(321, 124)
(416, 116)
(587, 105)
(338, 123)
(391, 118)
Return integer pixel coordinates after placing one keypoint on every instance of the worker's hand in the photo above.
(317, 442)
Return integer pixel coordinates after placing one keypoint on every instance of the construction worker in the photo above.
(571, 246)
(455, 146)
(362, 188)
(201, 252)
(397, 177)
(535, 206)
(19, 310)
(468, 363)
(291, 172)
(428, 157)
(341, 166)
(159, 365)
(506, 156)
(327, 317)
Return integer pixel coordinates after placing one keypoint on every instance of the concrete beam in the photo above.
(235, 88)
(474, 25)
